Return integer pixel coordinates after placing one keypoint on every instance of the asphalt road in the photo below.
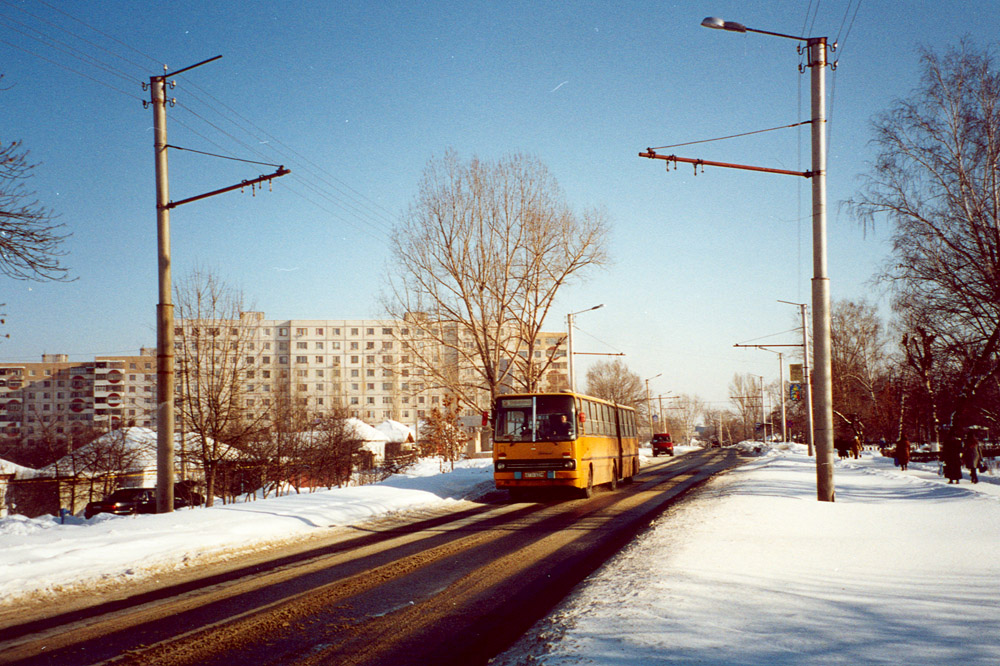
(451, 588)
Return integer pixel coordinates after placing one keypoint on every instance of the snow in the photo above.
(902, 568)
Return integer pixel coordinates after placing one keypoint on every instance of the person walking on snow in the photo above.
(971, 456)
(903, 452)
(952, 456)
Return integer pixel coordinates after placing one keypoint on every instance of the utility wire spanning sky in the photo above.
(355, 98)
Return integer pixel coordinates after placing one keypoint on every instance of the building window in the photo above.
(302, 345)
(301, 359)
(354, 331)
(319, 360)
(370, 331)
(319, 345)
(282, 331)
(300, 331)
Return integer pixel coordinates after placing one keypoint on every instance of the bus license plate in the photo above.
(534, 475)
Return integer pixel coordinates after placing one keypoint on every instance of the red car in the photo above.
(662, 443)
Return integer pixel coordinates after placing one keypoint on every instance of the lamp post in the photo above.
(569, 343)
(649, 412)
(822, 392)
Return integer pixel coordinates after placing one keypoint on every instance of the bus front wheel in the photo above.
(588, 491)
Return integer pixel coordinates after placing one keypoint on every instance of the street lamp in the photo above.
(823, 388)
(569, 343)
(649, 411)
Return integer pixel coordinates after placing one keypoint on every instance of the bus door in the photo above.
(621, 448)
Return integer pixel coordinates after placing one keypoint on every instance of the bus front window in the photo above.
(537, 418)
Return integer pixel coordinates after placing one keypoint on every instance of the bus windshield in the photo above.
(535, 418)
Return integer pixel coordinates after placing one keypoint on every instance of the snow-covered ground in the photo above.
(902, 568)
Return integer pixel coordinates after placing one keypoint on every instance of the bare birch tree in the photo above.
(216, 348)
(477, 263)
(935, 181)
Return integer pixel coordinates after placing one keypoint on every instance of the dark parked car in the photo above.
(662, 443)
(128, 501)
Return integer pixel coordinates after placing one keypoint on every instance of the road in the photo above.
(452, 588)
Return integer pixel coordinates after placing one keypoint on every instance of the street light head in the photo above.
(716, 23)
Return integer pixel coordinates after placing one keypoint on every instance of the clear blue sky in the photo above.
(355, 98)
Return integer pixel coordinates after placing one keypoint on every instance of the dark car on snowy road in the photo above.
(129, 501)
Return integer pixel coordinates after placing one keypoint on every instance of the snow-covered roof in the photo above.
(139, 443)
(19, 471)
(396, 431)
(366, 432)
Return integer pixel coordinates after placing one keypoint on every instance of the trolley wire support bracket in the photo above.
(282, 171)
(653, 155)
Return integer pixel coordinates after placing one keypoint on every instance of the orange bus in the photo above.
(568, 440)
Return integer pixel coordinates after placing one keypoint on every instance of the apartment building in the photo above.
(362, 364)
(366, 365)
(54, 400)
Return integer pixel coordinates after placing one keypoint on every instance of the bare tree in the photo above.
(612, 380)
(744, 393)
(862, 390)
(332, 448)
(936, 181)
(30, 241)
(477, 263)
(216, 348)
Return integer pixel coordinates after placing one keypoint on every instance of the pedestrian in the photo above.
(952, 455)
(971, 455)
(841, 445)
(903, 452)
(856, 447)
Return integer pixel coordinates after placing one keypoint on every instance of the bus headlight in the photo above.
(569, 463)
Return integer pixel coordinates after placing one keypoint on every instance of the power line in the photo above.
(732, 136)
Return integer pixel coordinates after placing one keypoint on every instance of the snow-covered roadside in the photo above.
(902, 568)
(41, 555)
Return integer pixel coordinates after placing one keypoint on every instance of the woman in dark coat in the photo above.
(952, 456)
(903, 452)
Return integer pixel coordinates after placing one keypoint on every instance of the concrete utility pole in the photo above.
(806, 387)
(165, 307)
(823, 388)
